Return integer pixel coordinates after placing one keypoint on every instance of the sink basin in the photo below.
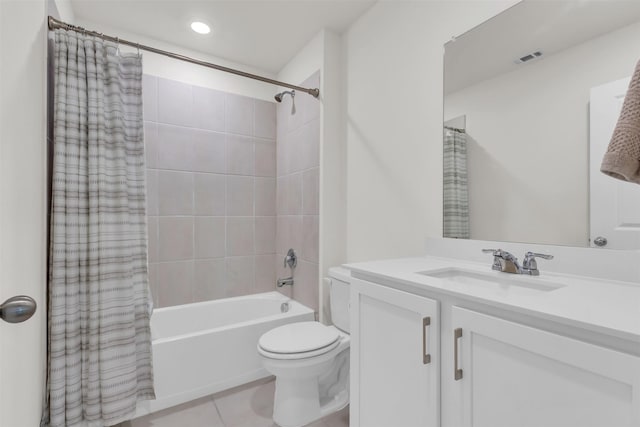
(495, 281)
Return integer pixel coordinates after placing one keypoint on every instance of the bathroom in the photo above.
(354, 176)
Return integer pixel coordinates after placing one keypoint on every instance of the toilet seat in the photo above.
(298, 340)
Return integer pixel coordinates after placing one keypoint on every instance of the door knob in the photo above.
(600, 241)
(17, 309)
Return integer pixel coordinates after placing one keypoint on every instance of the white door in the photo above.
(615, 204)
(394, 358)
(22, 206)
(515, 375)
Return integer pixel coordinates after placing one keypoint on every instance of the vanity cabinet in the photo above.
(488, 372)
(516, 375)
(395, 343)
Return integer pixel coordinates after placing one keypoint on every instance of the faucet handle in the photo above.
(537, 255)
(291, 259)
(495, 252)
(530, 265)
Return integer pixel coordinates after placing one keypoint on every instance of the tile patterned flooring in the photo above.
(245, 406)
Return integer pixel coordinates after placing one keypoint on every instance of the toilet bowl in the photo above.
(310, 362)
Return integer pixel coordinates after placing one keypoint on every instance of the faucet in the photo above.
(285, 282)
(291, 259)
(506, 262)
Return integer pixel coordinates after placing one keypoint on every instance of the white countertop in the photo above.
(606, 306)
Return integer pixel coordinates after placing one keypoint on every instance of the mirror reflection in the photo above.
(531, 99)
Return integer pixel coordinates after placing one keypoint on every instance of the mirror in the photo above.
(523, 136)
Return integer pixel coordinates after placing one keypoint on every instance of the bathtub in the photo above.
(207, 347)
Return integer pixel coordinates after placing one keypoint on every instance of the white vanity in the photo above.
(451, 343)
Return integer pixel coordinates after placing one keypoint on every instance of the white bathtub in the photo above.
(207, 347)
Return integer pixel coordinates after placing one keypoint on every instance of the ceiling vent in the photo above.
(529, 57)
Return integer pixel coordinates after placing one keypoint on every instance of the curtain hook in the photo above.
(117, 45)
(138, 47)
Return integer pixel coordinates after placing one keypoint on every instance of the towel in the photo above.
(622, 159)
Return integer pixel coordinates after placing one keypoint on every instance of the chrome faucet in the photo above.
(285, 282)
(506, 262)
(290, 260)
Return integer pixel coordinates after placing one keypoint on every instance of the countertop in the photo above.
(605, 306)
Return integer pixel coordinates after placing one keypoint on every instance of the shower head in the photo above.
(281, 95)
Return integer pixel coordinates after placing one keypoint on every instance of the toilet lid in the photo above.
(298, 338)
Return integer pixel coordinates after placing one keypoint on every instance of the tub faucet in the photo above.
(284, 282)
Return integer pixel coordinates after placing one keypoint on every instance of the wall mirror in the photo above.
(531, 98)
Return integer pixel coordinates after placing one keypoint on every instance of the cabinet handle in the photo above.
(457, 373)
(426, 357)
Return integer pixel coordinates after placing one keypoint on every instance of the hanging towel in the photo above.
(622, 159)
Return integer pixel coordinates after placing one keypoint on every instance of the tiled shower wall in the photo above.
(298, 166)
(211, 192)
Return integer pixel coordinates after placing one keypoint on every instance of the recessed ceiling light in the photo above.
(200, 27)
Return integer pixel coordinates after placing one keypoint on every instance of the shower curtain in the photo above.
(99, 351)
(456, 197)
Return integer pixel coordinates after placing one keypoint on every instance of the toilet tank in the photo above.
(339, 278)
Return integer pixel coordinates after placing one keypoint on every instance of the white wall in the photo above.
(197, 75)
(22, 211)
(394, 122)
(324, 53)
(528, 141)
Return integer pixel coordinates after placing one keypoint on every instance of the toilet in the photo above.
(311, 361)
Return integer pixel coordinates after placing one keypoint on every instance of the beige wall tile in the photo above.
(151, 144)
(311, 191)
(306, 289)
(209, 194)
(265, 271)
(209, 109)
(152, 192)
(209, 280)
(265, 229)
(175, 103)
(309, 250)
(240, 236)
(265, 119)
(175, 283)
(175, 238)
(240, 196)
(265, 158)
(175, 193)
(265, 196)
(240, 275)
(240, 157)
(209, 152)
(209, 237)
(152, 238)
(239, 114)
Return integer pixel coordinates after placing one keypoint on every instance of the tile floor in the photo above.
(246, 406)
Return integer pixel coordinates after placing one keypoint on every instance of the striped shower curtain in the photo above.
(456, 197)
(99, 346)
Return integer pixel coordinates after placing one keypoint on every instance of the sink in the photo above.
(495, 281)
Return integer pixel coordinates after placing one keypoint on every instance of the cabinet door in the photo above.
(515, 375)
(394, 358)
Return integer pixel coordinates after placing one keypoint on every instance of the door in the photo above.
(22, 206)
(394, 358)
(615, 204)
(515, 375)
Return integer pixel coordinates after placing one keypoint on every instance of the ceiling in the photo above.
(491, 49)
(264, 34)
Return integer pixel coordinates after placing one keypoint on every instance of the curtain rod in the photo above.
(54, 23)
